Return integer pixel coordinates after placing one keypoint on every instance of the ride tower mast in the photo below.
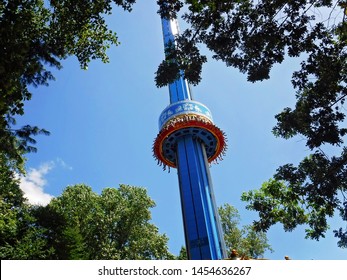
(189, 141)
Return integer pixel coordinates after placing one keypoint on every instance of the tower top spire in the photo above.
(179, 89)
(170, 30)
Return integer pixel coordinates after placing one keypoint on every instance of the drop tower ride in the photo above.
(189, 141)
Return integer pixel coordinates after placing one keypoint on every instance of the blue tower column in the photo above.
(204, 240)
(188, 140)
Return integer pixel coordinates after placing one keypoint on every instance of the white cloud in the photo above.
(63, 164)
(34, 182)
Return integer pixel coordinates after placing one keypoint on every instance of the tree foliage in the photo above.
(248, 242)
(113, 225)
(20, 236)
(182, 254)
(36, 36)
(248, 35)
(245, 240)
(79, 224)
(253, 36)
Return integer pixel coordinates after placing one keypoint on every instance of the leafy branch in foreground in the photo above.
(36, 36)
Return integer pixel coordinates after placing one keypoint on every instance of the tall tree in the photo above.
(112, 225)
(36, 36)
(182, 254)
(245, 240)
(253, 36)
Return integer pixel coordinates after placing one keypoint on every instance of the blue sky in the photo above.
(103, 122)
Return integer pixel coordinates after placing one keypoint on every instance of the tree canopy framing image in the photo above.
(78, 92)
